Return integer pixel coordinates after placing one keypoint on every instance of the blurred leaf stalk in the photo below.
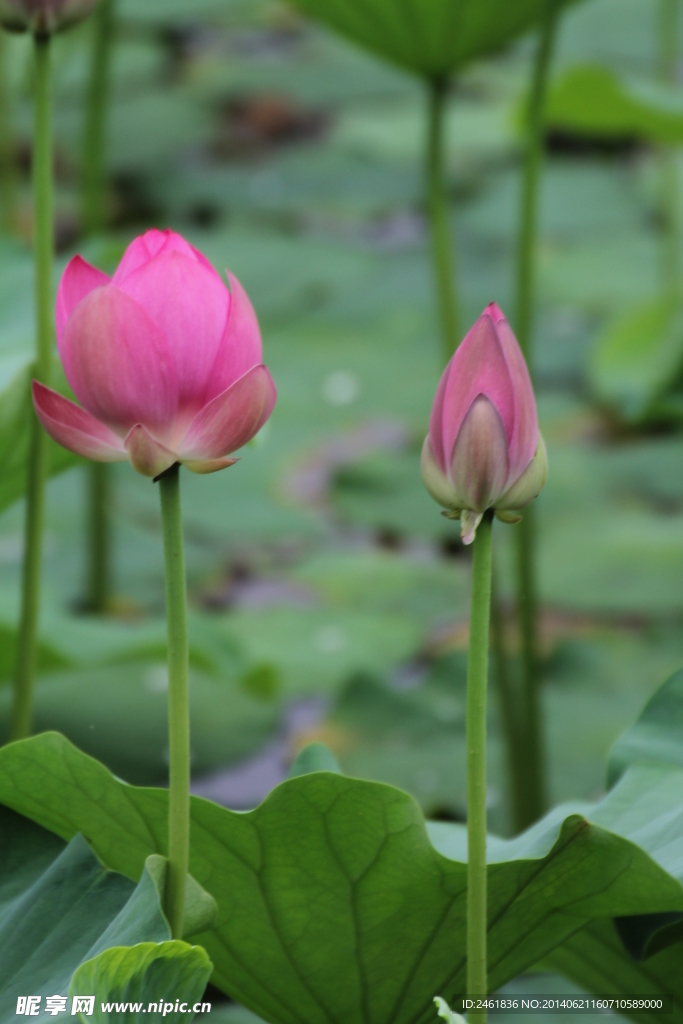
(439, 218)
(97, 597)
(669, 13)
(526, 755)
(43, 242)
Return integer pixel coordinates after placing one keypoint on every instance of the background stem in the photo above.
(439, 219)
(669, 13)
(508, 704)
(477, 681)
(178, 701)
(531, 801)
(22, 706)
(98, 537)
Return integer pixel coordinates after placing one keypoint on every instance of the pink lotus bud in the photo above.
(165, 361)
(43, 17)
(484, 449)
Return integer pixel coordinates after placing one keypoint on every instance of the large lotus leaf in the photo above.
(429, 37)
(595, 958)
(596, 101)
(637, 357)
(333, 903)
(145, 974)
(638, 955)
(59, 906)
(119, 715)
(657, 736)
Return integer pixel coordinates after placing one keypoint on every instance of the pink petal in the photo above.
(154, 242)
(479, 464)
(147, 455)
(240, 348)
(74, 428)
(78, 280)
(204, 466)
(436, 432)
(523, 439)
(118, 363)
(189, 304)
(232, 418)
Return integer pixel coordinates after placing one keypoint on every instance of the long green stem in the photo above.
(22, 707)
(178, 701)
(98, 550)
(669, 13)
(439, 218)
(477, 679)
(534, 791)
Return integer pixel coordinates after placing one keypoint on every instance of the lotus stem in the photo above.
(531, 802)
(98, 536)
(178, 701)
(439, 218)
(477, 680)
(669, 13)
(508, 706)
(22, 706)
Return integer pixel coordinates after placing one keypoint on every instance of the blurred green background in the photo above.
(329, 598)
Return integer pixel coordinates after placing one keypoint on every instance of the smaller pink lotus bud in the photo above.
(163, 358)
(43, 17)
(484, 449)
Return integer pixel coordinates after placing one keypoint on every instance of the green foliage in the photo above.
(60, 907)
(596, 960)
(429, 37)
(638, 358)
(49, 658)
(119, 715)
(358, 908)
(638, 955)
(143, 974)
(595, 100)
(657, 736)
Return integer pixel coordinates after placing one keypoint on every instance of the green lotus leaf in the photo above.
(335, 903)
(433, 38)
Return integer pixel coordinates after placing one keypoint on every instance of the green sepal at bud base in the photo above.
(522, 492)
(43, 17)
